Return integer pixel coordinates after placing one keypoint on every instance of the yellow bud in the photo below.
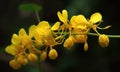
(85, 46)
(22, 60)
(80, 38)
(69, 42)
(103, 40)
(50, 41)
(53, 54)
(32, 57)
(14, 64)
(43, 56)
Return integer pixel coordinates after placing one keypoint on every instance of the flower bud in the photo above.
(14, 64)
(32, 57)
(22, 60)
(85, 46)
(53, 54)
(103, 40)
(80, 38)
(69, 42)
(43, 56)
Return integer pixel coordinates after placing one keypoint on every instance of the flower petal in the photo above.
(32, 30)
(10, 49)
(44, 25)
(22, 32)
(15, 39)
(96, 17)
(63, 16)
(55, 26)
(79, 19)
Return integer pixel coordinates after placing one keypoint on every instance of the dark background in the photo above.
(96, 59)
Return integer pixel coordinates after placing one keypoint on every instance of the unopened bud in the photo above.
(32, 57)
(14, 64)
(80, 38)
(43, 56)
(53, 54)
(85, 46)
(69, 42)
(22, 60)
(103, 40)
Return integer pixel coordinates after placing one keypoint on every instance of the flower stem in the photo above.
(111, 36)
(37, 15)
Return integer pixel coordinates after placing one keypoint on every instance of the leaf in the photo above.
(30, 7)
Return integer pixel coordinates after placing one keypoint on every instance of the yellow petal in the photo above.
(10, 49)
(63, 16)
(60, 16)
(44, 25)
(32, 31)
(96, 17)
(22, 32)
(55, 26)
(43, 28)
(73, 22)
(15, 39)
(79, 19)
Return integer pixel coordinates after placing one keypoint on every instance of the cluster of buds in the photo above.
(41, 39)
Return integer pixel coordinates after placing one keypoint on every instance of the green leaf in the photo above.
(30, 7)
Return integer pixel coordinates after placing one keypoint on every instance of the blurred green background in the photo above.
(96, 59)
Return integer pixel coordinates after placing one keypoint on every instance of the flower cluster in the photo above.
(41, 39)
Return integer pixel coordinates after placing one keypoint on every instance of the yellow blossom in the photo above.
(19, 43)
(80, 22)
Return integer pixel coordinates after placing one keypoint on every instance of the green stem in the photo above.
(37, 15)
(111, 36)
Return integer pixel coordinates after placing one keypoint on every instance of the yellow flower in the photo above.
(43, 33)
(80, 22)
(19, 43)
